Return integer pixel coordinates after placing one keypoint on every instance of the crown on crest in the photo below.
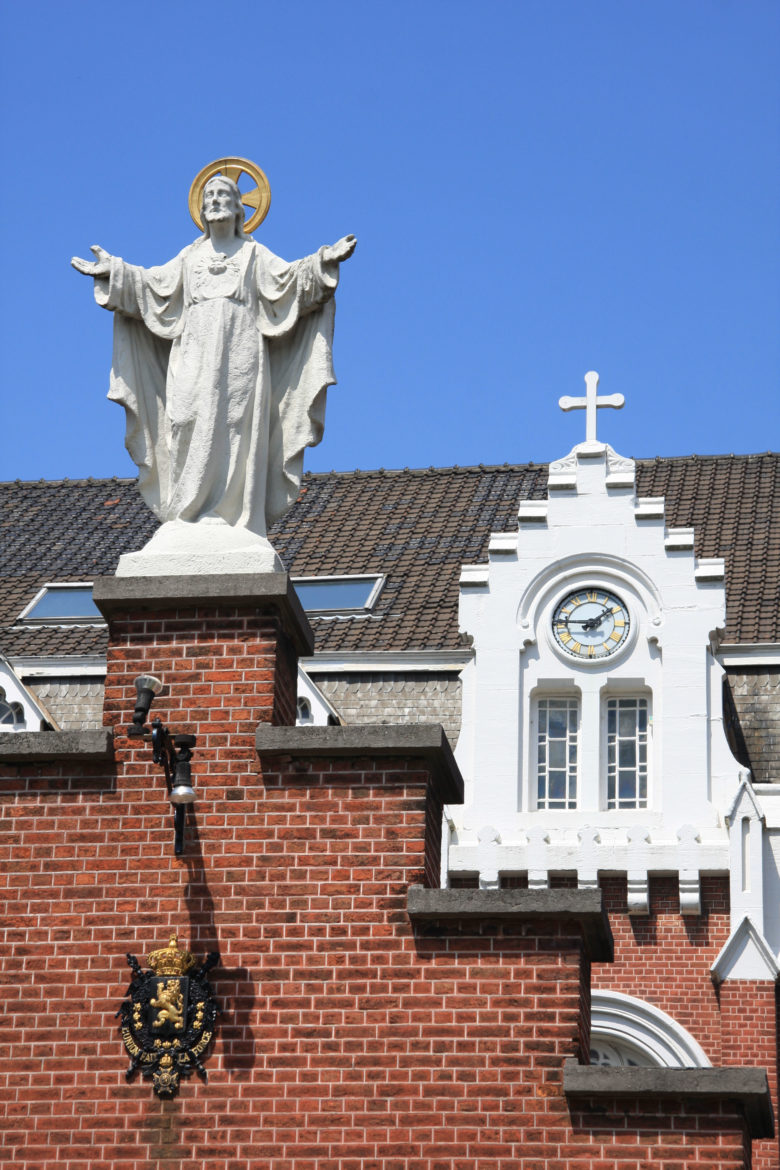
(171, 960)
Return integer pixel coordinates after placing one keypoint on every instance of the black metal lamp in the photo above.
(172, 753)
(146, 686)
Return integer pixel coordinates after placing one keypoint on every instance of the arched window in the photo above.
(629, 1031)
(11, 714)
(304, 712)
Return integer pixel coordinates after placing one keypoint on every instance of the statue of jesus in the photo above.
(222, 360)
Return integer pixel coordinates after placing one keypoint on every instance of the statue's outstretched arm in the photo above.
(339, 251)
(100, 267)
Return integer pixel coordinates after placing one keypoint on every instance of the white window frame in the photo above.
(634, 695)
(53, 619)
(336, 578)
(638, 1032)
(15, 708)
(570, 696)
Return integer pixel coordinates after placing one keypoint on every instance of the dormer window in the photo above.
(346, 594)
(63, 603)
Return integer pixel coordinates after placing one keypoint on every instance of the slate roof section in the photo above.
(415, 526)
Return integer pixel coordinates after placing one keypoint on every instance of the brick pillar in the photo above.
(225, 647)
(749, 1022)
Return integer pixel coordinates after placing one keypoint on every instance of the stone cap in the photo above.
(747, 1087)
(115, 595)
(373, 739)
(583, 908)
(37, 747)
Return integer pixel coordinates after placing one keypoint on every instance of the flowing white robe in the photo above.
(223, 369)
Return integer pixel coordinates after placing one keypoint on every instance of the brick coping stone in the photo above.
(581, 907)
(117, 595)
(748, 1087)
(426, 740)
(35, 747)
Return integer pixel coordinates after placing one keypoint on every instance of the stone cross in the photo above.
(591, 403)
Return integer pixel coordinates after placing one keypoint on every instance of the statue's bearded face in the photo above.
(219, 201)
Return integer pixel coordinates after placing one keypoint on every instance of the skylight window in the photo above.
(340, 594)
(63, 603)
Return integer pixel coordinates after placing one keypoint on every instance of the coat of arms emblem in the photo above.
(167, 1019)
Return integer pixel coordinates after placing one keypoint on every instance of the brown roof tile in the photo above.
(415, 526)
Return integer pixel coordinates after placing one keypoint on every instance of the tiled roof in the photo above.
(415, 526)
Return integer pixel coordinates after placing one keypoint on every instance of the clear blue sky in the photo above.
(538, 187)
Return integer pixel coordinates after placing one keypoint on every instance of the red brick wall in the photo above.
(749, 1013)
(225, 668)
(660, 1134)
(665, 957)
(348, 1040)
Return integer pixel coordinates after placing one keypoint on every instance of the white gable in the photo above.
(636, 700)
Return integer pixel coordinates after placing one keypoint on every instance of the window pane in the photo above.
(335, 593)
(627, 785)
(627, 758)
(556, 753)
(60, 602)
(558, 786)
(627, 724)
(557, 724)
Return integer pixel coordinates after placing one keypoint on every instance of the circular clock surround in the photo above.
(590, 624)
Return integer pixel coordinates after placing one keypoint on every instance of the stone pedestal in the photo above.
(209, 548)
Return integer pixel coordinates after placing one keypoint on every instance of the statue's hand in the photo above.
(340, 251)
(100, 266)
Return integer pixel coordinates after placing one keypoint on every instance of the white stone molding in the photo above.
(648, 1035)
(532, 512)
(679, 540)
(562, 473)
(380, 661)
(592, 850)
(637, 884)
(650, 508)
(621, 472)
(567, 572)
(746, 821)
(588, 862)
(474, 575)
(760, 654)
(689, 880)
(538, 864)
(29, 666)
(710, 569)
(745, 955)
(489, 839)
(504, 543)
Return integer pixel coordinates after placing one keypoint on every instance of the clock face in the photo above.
(590, 624)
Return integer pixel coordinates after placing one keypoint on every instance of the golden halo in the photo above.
(259, 198)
